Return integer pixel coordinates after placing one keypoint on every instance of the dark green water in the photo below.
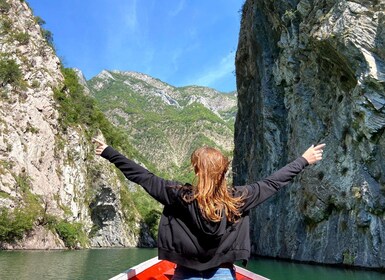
(105, 263)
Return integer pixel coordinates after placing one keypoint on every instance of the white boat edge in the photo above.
(135, 270)
(248, 273)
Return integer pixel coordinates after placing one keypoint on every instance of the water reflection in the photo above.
(83, 264)
(284, 270)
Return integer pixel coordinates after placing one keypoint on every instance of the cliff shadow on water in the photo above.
(311, 72)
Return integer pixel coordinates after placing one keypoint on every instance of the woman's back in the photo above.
(206, 225)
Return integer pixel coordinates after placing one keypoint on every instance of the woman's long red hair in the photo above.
(211, 190)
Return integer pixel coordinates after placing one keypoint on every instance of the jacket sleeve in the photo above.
(260, 191)
(158, 188)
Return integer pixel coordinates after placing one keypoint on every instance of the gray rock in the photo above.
(318, 77)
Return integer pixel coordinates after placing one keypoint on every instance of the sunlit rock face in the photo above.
(310, 72)
(39, 159)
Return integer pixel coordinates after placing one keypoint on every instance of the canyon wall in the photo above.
(52, 187)
(313, 72)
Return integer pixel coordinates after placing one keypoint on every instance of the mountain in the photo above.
(163, 122)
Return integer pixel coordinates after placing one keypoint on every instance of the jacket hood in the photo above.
(213, 230)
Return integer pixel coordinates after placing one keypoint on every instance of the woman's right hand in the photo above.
(100, 146)
(314, 154)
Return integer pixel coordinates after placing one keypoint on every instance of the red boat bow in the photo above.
(155, 269)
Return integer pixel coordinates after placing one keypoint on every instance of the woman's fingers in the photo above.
(100, 146)
(319, 151)
(314, 154)
(97, 141)
(320, 147)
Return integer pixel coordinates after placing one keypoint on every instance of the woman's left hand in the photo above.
(314, 154)
(100, 146)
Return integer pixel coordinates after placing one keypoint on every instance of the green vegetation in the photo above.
(6, 26)
(22, 182)
(39, 20)
(71, 233)
(47, 35)
(4, 195)
(4, 6)
(290, 14)
(35, 84)
(348, 258)
(128, 206)
(32, 129)
(10, 72)
(148, 208)
(193, 113)
(22, 37)
(152, 221)
(76, 108)
(15, 224)
(154, 127)
(5, 166)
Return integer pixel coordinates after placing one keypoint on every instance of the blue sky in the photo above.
(181, 42)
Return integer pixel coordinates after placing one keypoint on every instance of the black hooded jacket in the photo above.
(185, 237)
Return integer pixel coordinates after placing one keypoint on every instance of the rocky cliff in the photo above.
(310, 72)
(53, 191)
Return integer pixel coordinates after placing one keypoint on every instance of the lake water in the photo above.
(105, 263)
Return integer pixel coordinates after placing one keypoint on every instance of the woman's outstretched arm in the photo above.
(157, 187)
(262, 190)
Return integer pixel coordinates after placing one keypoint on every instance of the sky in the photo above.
(181, 42)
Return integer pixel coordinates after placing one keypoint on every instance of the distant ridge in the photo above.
(164, 122)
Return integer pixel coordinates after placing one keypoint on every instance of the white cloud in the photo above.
(177, 9)
(178, 54)
(226, 66)
(121, 25)
(130, 17)
(175, 58)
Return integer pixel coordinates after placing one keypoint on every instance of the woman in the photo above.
(204, 228)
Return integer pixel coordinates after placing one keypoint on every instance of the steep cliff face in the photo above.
(309, 72)
(51, 185)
